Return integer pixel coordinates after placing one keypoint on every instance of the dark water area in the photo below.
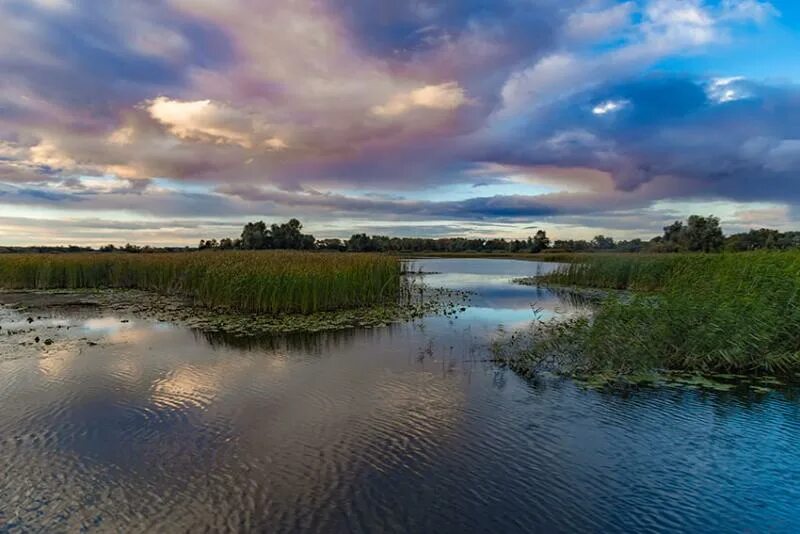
(405, 428)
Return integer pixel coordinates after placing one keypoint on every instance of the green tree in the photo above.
(255, 236)
(704, 234)
(360, 243)
(540, 241)
(674, 233)
(601, 242)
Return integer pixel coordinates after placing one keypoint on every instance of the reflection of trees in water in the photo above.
(308, 342)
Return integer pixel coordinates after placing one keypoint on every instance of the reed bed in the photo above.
(700, 312)
(639, 272)
(271, 282)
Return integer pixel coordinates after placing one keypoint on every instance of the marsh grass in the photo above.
(249, 281)
(706, 313)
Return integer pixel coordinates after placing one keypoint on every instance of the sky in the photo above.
(165, 121)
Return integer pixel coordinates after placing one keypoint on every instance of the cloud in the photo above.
(443, 97)
(727, 89)
(598, 24)
(289, 107)
(665, 28)
(202, 120)
(755, 10)
(783, 156)
(609, 106)
(671, 127)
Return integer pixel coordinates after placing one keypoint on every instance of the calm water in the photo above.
(400, 429)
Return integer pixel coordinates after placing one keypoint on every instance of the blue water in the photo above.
(402, 429)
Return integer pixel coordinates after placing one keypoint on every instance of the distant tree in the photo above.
(754, 240)
(360, 243)
(571, 245)
(255, 236)
(788, 240)
(108, 248)
(517, 245)
(286, 235)
(674, 233)
(496, 245)
(601, 242)
(634, 245)
(208, 244)
(704, 234)
(330, 244)
(289, 235)
(540, 241)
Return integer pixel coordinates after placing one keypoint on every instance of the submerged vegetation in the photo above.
(418, 301)
(271, 282)
(729, 313)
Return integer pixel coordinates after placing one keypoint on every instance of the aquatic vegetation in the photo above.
(723, 313)
(180, 310)
(640, 272)
(269, 282)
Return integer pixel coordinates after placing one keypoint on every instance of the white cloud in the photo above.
(661, 28)
(748, 10)
(676, 24)
(599, 24)
(446, 96)
(122, 136)
(547, 76)
(683, 12)
(275, 143)
(609, 106)
(202, 120)
(48, 154)
(723, 90)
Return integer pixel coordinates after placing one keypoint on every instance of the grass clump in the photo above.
(248, 281)
(733, 313)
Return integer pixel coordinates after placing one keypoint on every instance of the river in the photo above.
(406, 428)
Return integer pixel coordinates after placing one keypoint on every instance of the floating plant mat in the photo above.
(180, 310)
(720, 382)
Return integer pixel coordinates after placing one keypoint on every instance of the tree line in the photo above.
(696, 234)
(289, 235)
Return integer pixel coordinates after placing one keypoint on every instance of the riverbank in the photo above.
(709, 314)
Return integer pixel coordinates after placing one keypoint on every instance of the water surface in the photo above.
(400, 429)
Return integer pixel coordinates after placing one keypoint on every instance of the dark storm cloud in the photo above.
(406, 27)
(93, 59)
(734, 138)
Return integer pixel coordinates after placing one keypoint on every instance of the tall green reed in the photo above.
(710, 313)
(250, 281)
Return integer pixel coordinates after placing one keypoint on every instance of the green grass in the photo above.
(696, 312)
(257, 282)
(639, 272)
